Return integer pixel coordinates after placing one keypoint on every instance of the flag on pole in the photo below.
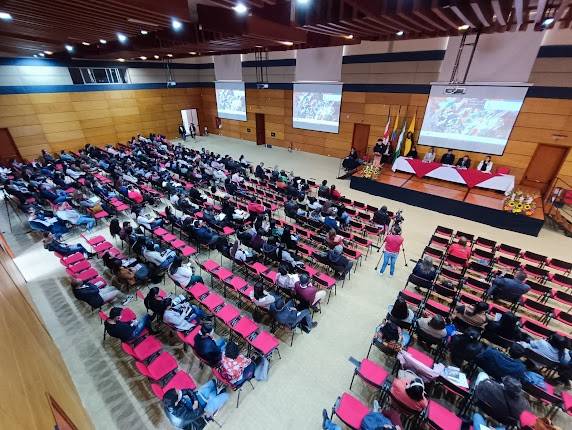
(409, 137)
(395, 129)
(386, 132)
(397, 152)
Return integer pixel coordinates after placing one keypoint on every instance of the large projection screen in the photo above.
(470, 117)
(231, 100)
(317, 107)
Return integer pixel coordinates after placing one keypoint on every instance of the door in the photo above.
(191, 116)
(260, 129)
(8, 149)
(360, 138)
(544, 167)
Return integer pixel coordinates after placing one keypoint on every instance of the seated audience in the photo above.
(235, 367)
(162, 259)
(307, 292)
(506, 327)
(433, 326)
(391, 337)
(497, 364)
(183, 316)
(261, 297)
(184, 276)
(448, 158)
(185, 408)
(553, 348)
(504, 401)
(285, 279)
(473, 315)
(333, 239)
(409, 390)
(208, 349)
(400, 312)
(461, 249)
(154, 302)
(93, 295)
(382, 218)
(126, 331)
(464, 163)
(286, 314)
(465, 347)
(508, 288)
(338, 261)
(54, 245)
(425, 270)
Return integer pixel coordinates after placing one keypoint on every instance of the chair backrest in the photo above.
(503, 170)
(540, 394)
(532, 355)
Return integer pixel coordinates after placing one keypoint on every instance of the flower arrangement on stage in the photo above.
(370, 170)
(519, 202)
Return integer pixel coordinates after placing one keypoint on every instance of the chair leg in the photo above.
(353, 377)
(238, 397)
(369, 350)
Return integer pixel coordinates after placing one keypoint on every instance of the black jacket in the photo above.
(208, 350)
(89, 294)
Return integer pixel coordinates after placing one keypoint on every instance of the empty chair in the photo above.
(180, 381)
(444, 231)
(507, 263)
(534, 258)
(350, 411)
(160, 367)
(438, 417)
(560, 265)
(371, 373)
(486, 244)
(508, 250)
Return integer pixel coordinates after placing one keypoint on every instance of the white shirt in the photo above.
(265, 301)
(156, 257)
(429, 157)
(489, 166)
(182, 276)
(287, 281)
(177, 320)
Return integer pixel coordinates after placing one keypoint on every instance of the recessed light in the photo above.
(156, 57)
(240, 9)
(548, 21)
(41, 54)
(349, 36)
(69, 48)
(287, 43)
(176, 24)
(48, 52)
(463, 27)
(121, 60)
(35, 55)
(193, 53)
(143, 57)
(144, 32)
(85, 43)
(399, 33)
(302, 1)
(121, 37)
(5, 16)
(169, 55)
(102, 41)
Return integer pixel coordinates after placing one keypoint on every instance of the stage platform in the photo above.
(476, 204)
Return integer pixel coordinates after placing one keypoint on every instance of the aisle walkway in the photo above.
(311, 373)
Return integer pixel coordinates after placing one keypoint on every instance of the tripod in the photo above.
(8, 203)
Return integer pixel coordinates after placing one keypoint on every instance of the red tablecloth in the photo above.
(422, 169)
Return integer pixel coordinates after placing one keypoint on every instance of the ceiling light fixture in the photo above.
(102, 41)
(35, 55)
(41, 54)
(176, 24)
(303, 2)
(240, 8)
(85, 43)
(156, 57)
(121, 60)
(399, 33)
(69, 48)
(144, 32)
(287, 43)
(48, 52)
(349, 36)
(463, 27)
(548, 21)
(143, 57)
(121, 37)
(169, 55)
(5, 16)
(193, 53)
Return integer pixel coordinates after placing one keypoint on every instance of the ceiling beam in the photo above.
(483, 12)
(368, 7)
(540, 11)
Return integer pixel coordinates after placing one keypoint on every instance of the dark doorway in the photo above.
(544, 167)
(8, 149)
(260, 129)
(360, 138)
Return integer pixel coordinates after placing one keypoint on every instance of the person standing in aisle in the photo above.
(393, 242)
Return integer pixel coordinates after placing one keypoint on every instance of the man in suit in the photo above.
(207, 348)
(448, 158)
(287, 314)
(464, 163)
(510, 289)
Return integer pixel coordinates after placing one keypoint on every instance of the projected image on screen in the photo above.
(480, 120)
(231, 100)
(317, 107)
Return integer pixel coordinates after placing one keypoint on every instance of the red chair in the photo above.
(212, 302)
(563, 317)
(144, 349)
(444, 232)
(562, 297)
(502, 170)
(350, 410)
(561, 280)
(326, 282)
(94, 240)
(256, 269)
(189, 339)
(227, 314)
(265, 344)
(371, 373)
(534, 258)
(84, 276)
(439, 417)
(160, 367)
(180, 381)
(562, 266)
(234, 387)
(78, 267)
(198, 290)
(511, 251)
(245, 327)
(72, 259)
(421, 357)
(188, 251)
(209, 266)
(536, 329)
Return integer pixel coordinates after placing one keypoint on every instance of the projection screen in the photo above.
(231, 100)
(317, 107)
(471, 118)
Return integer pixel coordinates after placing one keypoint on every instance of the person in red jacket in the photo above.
(335, 194)
(461, 249)
(393, 242)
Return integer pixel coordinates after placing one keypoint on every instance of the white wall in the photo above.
(34, 75)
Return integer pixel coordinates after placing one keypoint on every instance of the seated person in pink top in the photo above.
(461, 249)
(306, 291)
(393, 242)
(135, 195)
(408, 389)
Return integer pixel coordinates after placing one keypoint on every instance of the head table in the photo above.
(470, 177)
